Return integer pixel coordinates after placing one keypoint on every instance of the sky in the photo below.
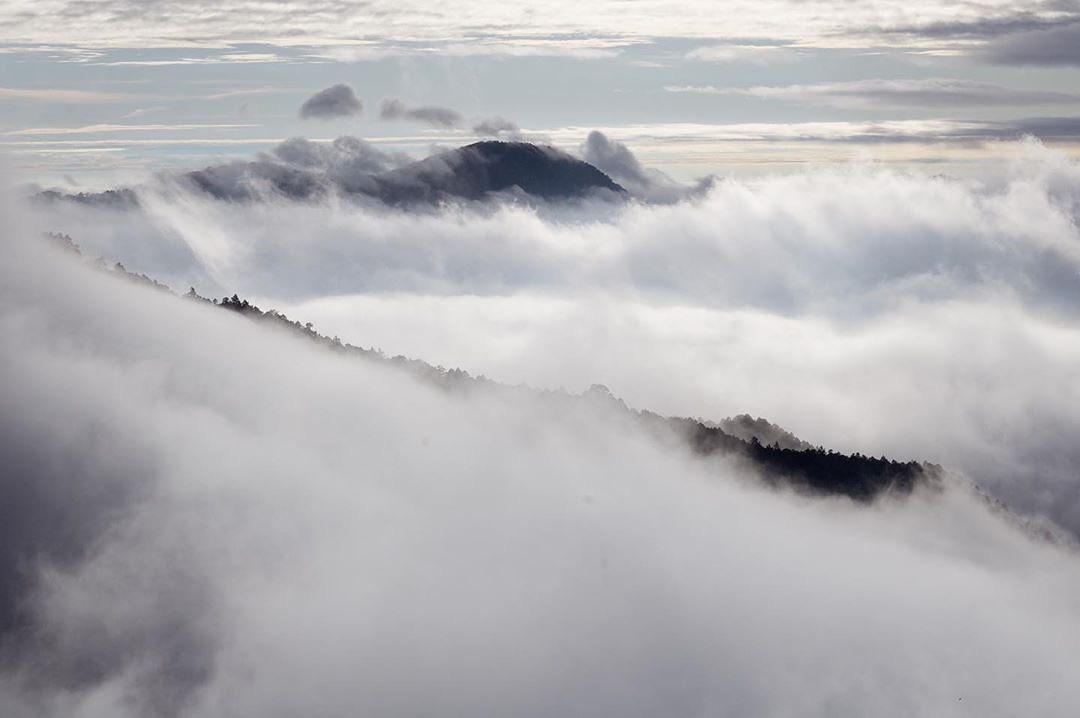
(95, 94)
(859, 221)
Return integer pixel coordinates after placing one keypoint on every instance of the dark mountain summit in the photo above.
(482, 168)
(302, 170)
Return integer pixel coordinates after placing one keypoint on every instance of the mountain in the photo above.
(301, 170)
(483, 168)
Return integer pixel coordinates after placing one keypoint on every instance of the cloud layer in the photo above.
(346, 539)
(487, 27)
(887, 95)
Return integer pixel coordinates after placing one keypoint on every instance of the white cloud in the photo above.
(278, 529)
(142, 111)
(754, 54)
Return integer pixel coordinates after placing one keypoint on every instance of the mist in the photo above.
(864, 309)
(270, 529)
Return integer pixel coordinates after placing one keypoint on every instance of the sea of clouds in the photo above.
(863, 308)
(204, 517)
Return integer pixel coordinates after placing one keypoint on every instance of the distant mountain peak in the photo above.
(306, 171)
(491, 166)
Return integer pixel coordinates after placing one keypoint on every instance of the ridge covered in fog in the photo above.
(781, 458)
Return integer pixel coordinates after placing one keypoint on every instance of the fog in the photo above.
(862, 308)
(215, 518)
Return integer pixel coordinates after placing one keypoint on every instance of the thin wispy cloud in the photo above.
(225, 59)
(247, 92)
(109, 128)
(142, 111)
(891, 94)
(754, 54)
(56, 95)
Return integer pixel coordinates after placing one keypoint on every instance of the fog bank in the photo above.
(269, 529)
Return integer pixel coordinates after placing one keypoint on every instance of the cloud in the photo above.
(595, 30)
(1051, 46)
(616, 159)
(335, 101)
(932, 295)
(393, 109)
(892, 94)
(141, 111)
(754, 54)
(591, 48)
(231, 58)
(495, 127)
(1043, 16)
(108, 128)
(345, 538)
(705, 137)
(243, 92)
(297, 169)
(60, 95)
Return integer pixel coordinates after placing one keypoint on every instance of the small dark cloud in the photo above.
(1052, 46)
(495, 127)
(335, 101)
(394, 109)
